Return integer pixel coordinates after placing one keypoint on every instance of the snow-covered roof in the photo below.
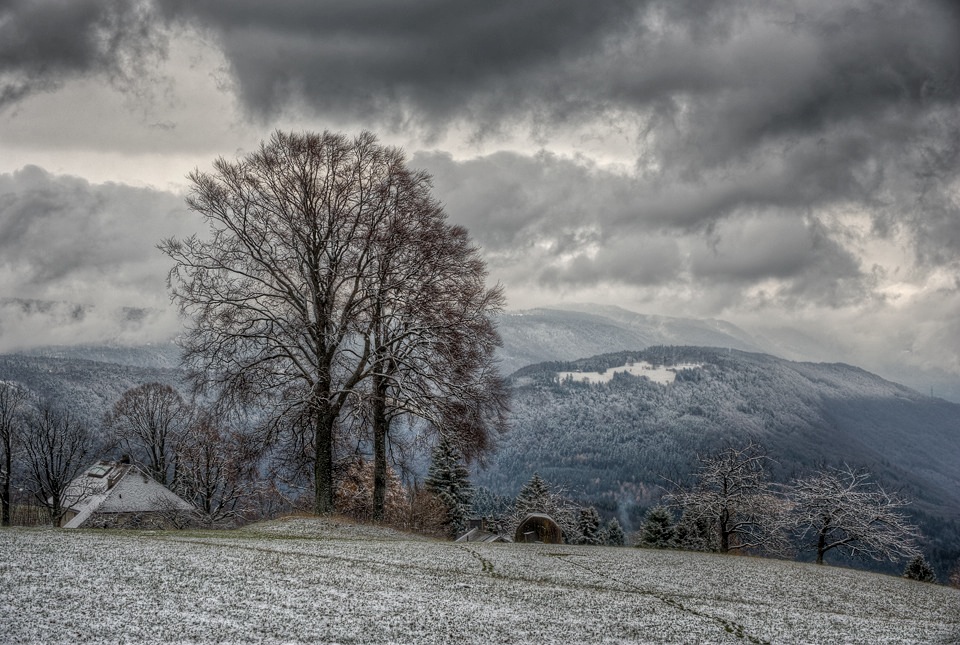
(113, 487)
(479, 535)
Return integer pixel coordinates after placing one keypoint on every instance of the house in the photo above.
(117, 494)
(539, 527)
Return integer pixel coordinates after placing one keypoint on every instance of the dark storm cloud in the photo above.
(753, 122)
(745, 104)
(45, 42)
(442, 60)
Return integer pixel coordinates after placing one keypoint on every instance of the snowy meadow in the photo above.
(315, 581)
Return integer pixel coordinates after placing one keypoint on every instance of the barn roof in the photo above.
(113, 487)
(538, 527)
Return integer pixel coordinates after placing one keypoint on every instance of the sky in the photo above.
(773, 164)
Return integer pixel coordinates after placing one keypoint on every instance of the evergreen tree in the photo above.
(534, 497)
(658, 530)
(449, 480)
(490, 505)
(695, 534)
(589, 527)
(614, 534)
(537, 496)
(919, 569)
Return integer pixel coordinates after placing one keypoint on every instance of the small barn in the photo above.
(113, 494)
(539, 527)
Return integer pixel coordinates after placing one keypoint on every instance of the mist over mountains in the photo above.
(144, 336)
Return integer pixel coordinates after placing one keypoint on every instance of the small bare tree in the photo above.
(13, 399)
(216, 469)
(733, 499)
(56, 445)
(150, 420)
(842, 510)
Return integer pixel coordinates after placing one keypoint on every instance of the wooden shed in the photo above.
(539, 527)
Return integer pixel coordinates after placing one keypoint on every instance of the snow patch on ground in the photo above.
(316, 581)
(656, 373)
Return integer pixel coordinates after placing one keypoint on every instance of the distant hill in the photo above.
(573, 331)
(87, 388)
(615, 443)
(546, 334)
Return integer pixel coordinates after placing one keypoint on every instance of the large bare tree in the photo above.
(282, 298)
(733, 499)
(433, 338)
(150, 421)
(842, 510)
(13, 400)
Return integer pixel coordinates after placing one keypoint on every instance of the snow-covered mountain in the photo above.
(576, 331)
(618, 443)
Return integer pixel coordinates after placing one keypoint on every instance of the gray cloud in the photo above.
(564, 224)
(759, 130)
(64, 238)
(754, 103)
(45, 42)
(380, 59)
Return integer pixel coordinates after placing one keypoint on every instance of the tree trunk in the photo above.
(7, 476)
(821, 546)
(381, 427)
(724, 533)
(323, 461)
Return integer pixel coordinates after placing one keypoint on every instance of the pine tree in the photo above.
(537, 496)
(449, 480)
(589, 527)
(658, 530)
(695, 534)
(919, 569)
(614, 533)
(534, 497)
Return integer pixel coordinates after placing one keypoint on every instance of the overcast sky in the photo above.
(768, 163)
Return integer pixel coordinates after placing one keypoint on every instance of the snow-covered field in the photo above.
(313, 581)
(657, 374)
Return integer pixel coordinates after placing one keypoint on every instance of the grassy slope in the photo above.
(307, 581)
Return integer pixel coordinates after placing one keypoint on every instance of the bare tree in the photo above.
(282, 298)
(842, 510)
(150, 420)
(56, 446)
(13, 399)
(733, 498)
(216, 469)
(433, 338)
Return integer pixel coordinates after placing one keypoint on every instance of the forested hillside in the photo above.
(617, 444)
(88, 388)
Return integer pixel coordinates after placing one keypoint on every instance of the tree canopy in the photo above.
(330, 281)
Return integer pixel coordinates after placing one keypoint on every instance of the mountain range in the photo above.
(619, 441)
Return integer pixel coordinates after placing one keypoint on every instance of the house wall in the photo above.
(149, 520)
